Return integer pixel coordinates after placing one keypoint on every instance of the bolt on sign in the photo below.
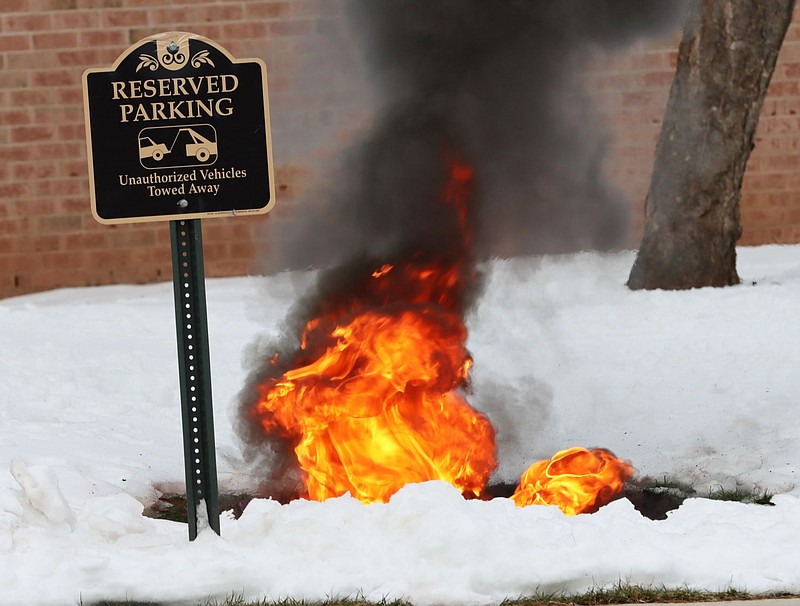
(178, 129)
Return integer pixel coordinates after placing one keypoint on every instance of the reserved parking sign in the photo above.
(178, 129)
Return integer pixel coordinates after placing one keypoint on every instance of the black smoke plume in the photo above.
(491, 83)
(496, 82)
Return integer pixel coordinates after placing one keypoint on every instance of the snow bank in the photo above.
(699, 386)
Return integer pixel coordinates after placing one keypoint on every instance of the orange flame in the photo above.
(377, 409)
(577, 480)
(371, 401)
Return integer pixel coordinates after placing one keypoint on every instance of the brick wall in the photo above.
(48, 238)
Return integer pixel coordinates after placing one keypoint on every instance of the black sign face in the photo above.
(178, 129)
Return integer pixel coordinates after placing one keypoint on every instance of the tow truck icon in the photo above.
(191, 145)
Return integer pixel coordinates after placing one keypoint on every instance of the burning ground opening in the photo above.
(372, 397)
(368, 390)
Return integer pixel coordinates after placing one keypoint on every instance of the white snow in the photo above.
(701, 386)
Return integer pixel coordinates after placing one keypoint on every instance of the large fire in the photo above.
(373, 400)
(377, 406)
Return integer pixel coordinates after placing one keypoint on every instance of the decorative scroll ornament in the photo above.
(147, 61)
(200, 58)
(173, 56)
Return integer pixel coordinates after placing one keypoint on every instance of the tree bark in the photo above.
(725, 61)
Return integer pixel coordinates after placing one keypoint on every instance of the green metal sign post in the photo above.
(194, 369)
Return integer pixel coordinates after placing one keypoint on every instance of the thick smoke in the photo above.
(484, 82)
(491, 81)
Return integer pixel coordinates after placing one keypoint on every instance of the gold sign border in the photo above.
(179, 38)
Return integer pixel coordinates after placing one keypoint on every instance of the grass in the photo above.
(759, 497)
(622, 593)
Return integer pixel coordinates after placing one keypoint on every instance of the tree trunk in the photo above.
(725, 62)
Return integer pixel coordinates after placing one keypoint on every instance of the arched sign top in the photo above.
(164, 42)
(178, 128)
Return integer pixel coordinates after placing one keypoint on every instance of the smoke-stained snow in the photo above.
(700, 386)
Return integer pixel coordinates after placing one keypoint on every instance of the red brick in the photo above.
(13, 79)
(267, 10)
(15, 116)
(124, 17)
(14, 42)
(71, 132)
(13, 226)
(785, 163)
(784, 89)
(13, 153)
(780, 199)
(762, 216)
(661, 80)
(76, 19)
(86, 241)
(83, 57)
(53, 40)
(78, 204)
(31, 60)
(61, 261)
(766, 181)
(618, 82)
(52, 5)
(26, 22)
(791, 106)
(243, 250)
(13, 6)
(36, 207)
(14, 190)
(59, 223)
(244, 30)
(137, 238)
(290, 28)
(143, 3)
(50, 151)
(103, 38)
(61, 77)
(217, 13)
(69, 186)
(769, 125)
(32, 97)
(70, 95)
(25, 134)
(792, 181)
(100, 3)
(74, 168)
(58, 114)
(114, 258)
(34, 170)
